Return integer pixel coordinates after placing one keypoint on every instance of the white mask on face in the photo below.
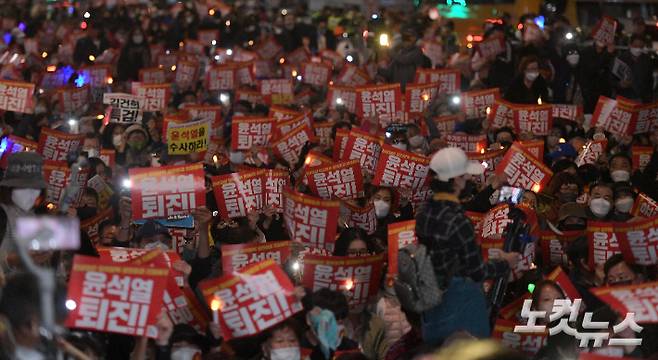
(401, 146)
(600, 207)
(531, 75)
(381, 208)
(117, 140)
(184, 353)
(137, 39)
(416, 141)
(620, 175)
(236, 157)
(636, 51)
(91, 152)
(289, 353)
(573, 59)
(25, 198)
(624, 205)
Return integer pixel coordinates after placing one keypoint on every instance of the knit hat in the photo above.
(24, 170)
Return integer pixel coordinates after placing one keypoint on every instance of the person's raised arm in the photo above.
(202, 217)
(125, 212)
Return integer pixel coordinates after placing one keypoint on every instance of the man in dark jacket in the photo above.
(91, 46)
(405, 60)
(640, 84)
(595, 79)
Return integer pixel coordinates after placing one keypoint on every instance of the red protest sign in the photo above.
(602, 241)
(238, 194)
(244, 75)
(647, 118)
(282, 128)
(447, 81)
(360, 217)
(268, 49)
(122, 299)
(500, 114)
(16, 96)
(634, 299)
(644, 206)
(638, 241)
(560, 277)
(494, 224)
(419, 97)
(56, 174)
(352, 76)
(251, 301)
(56, 145)
(276, 91)
(72, 99)
(310, 220)
(400, 234)
(490, 160)
(364, 147)
(154, 75)
(567, 111)
(183, 307)
(590, 154)
(187, 73)
(641, 156)
(275, 182)
(524, 170)
(553, 246)
(357, 277)
(239, 256)
(383, 102)
(220, 77)
(167, 191)
(290, 145)
(468, 143)
(401, 169)
(445, 123)
(109, 157)
(605, 30)
(528, 343)
(615, 116)
(535, 147)
(341, 97)
(340, 143)
(98, 76)
(316, 74)
(343, 180)
(490, 48)
(212, 113)
(153, 258)
(534, 119)
(156, 96)
(247, 132)
(322, 132)
(314, 159)
(90, 226)
(475, 103)
(282, 114)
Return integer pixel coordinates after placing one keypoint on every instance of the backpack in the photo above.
(417, 286)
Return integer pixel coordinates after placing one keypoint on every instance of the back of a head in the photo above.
(331, 300)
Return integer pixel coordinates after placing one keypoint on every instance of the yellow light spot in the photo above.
(51, 68)
(250, 42)
(110, 80)
(211, 12)
(282, 60)
(539, 101)
(215, 304)
(173, 67)
(488, 110)
(92, 58)
(228, 23)
(562, 140)
(181, 44)
(331, 82)
(349, 284)
(481, 151)
(469, 45)
(44, 54)
(426, 97)
(50, 206)
(294, 73)
(100, 116)
(215, 159)
(384, 41)
(536, 188)
(469, 38)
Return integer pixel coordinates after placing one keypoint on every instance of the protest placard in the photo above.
(56, 145)
(401, 169)
(448, 81)
(523, 170)
(238, 194)
(16, 96)
(603, 243)
(309, 220)
(238, 256)
(125, 108)
(188, 138)
(383, 102)
(247, 132)
(342, 180)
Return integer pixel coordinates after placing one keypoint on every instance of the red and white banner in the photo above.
(56, 145)
(281, 128)
(448, 81)
(58, 176)
(590, 154)
(239, 256)
(343, 180)
(247, 132)
(340, 143)
(122, 299)
(212, 113)
(528, 343)
(168, 191)
(187, 73)
(468, 143)
(490, 160)
(400, 234)
(446, 123)
(90, 226)
(641, 156)
(311, 221)
(352, 76)
(357, 277)
(275, 183)
(535, 147)
(501, 114)
(109, 157)
(625, 117)
(156, 96)
(238, 194)
(638, 241)
(490, 48)
(72, 99)
(363, 218)
(419, 97)
(364, 147)
(269, 49)
(644, 206)
(524, 170)
(383, 102)
(534, 119)
(252, 300)
(640, 300)
(220, 78)
(605, 30)
(493, 225)
(553, 246)
(401, 169)
(323, 131)
(567, 111)
(290, 145)
(341, 97)
(475, 103)
(317, 74)
(16, 96)
(183, 307)
(603, 242)
(276, 91)
(152, 76)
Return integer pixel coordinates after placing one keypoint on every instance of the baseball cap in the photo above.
(449, 163)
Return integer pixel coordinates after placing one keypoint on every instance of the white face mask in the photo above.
(531, 75)
(289, 353)
(600, 207)
(401, 146)
(636, 51)
(138, 39)
(573, 59)
(184, 353)
(624, 205)
(117, 140)
(25, 198)
(620, 175)
(416, 141)
(236, 157)
(92, 152)
(381, 208)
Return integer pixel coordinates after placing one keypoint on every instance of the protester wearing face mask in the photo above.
(282, 342)
(620, 166)
(91, 145)
(572, 217)
(136, 152)
(529, 85)
(618, 272)
(186, 343)
(20, 187)
(567, 87)
(152, 235)
(135, 56)
(389, 208)
(637, 83)
(600, 202)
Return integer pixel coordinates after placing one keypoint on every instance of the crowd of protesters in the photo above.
(557, 63)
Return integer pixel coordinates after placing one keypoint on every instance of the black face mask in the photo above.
(567, 197)
(470, 189)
